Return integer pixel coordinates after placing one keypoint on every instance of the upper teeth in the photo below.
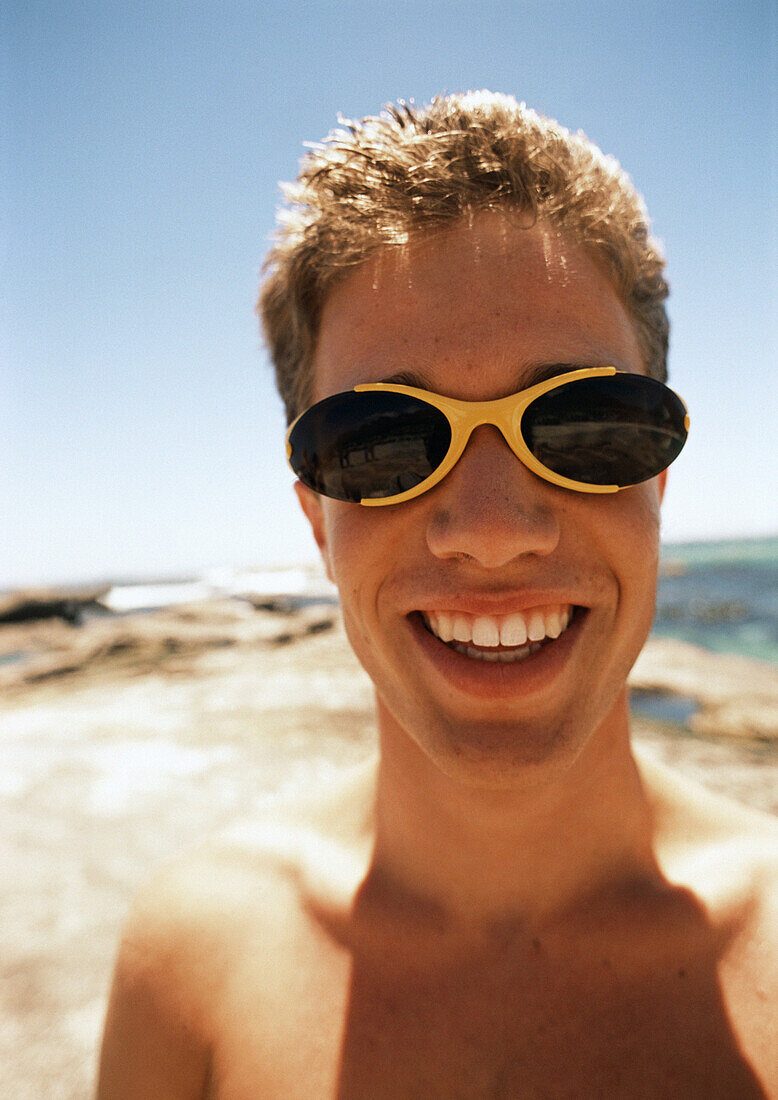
(516, 629)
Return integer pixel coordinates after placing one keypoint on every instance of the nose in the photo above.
(490, 507)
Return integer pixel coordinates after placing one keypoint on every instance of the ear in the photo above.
(311, 504)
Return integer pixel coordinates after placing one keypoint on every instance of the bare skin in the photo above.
(507, 903)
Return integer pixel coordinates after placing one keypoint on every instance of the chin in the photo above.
(502, 756)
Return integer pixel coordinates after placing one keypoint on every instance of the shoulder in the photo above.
(174, 957)
(254, 881)
(725, 854)
(686, 812)
(190, 910)
(724, 857)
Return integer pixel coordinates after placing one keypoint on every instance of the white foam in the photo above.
(137, 597)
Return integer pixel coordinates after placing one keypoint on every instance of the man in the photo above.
(506, 903)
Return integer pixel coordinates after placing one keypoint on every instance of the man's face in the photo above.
(478, 311)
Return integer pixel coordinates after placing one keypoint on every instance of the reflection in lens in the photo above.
(372, 444)
(617, 430)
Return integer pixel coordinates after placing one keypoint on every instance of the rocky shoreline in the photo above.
(69, 640)
(128, 737)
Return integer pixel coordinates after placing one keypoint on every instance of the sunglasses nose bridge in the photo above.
(504, 414)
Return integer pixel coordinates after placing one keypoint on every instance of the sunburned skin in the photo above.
(283, 962)
(507, 902)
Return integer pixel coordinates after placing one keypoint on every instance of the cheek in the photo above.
(617, 543)
(357, 558)
(348, 544)
(367, 548)
(360, 557)
(643, 521)
(632, 517)
(364, 544)
(637, 549)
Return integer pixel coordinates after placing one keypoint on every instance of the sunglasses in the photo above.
(593, 430)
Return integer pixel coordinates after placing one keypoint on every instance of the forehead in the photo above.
(474, 311)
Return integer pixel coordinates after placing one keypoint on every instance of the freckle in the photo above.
(681, 972)
(536, 944)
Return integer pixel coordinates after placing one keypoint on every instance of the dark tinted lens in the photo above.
(371, 444)
(616, 430)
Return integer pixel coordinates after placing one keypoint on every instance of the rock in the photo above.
(170, 639)
(736, 696)
(34, 604)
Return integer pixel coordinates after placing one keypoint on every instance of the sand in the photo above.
(127, 739)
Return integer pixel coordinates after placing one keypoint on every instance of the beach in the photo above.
(127, 737)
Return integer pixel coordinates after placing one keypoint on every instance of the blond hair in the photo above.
(372, 184)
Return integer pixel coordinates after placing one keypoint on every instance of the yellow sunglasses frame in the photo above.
(504, 413)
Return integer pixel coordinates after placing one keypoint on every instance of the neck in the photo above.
(484, 855)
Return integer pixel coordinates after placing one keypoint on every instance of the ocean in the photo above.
(721, 595)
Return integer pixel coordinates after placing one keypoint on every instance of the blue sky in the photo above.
(143, 144)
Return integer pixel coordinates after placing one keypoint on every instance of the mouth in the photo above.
(506, 639)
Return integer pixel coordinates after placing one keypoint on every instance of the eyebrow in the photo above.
(408, 378)
(543, 371)
(532, 376)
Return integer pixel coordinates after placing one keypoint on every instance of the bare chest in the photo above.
(325, 1024)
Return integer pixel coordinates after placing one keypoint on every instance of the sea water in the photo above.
(721, 595)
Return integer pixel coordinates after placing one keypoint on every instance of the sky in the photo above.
(142, 145)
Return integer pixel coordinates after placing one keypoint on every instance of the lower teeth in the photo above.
(506, 656)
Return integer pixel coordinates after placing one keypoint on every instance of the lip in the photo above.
(497, 603)
(498, 680)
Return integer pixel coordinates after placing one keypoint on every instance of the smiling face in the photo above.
(497, 614)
